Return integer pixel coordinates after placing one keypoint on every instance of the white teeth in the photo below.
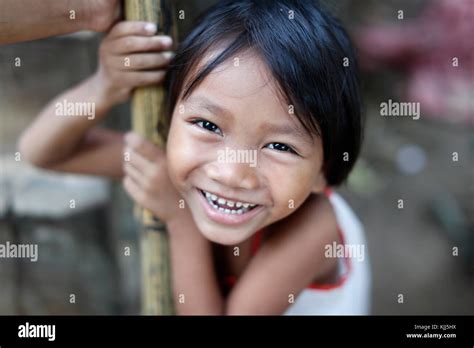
(214, 200)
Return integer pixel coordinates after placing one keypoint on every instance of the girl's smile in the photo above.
(226, 211)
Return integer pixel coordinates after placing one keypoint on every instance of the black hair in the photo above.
(308, 54)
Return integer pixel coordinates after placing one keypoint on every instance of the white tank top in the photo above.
(351, 294)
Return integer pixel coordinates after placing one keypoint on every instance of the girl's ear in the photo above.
(320, 183)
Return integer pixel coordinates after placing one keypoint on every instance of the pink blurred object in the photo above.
(425, 48)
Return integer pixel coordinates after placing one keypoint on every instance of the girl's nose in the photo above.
(233, 175)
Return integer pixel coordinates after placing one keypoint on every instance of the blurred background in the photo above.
(409, 51)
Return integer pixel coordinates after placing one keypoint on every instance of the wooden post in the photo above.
(157, 298)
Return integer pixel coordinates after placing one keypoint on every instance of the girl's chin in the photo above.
(223, 235)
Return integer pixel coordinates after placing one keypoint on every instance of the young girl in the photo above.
(270, 80)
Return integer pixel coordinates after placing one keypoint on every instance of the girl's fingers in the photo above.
(143, 166)
(143, 61)
(133, 173)
(134, 190)
(143, 147)
(131, 44)
(132, 28)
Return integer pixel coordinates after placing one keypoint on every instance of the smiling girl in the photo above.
(274, 78)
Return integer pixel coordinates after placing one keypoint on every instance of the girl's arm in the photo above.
(195, 287)
(70, 143)
(288, 262)
(130, 56)
(22, 20)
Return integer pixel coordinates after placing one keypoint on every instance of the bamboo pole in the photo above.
(157, 298)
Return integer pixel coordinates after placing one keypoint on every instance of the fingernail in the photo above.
(166, 40)
(150, 27)
(169, 55)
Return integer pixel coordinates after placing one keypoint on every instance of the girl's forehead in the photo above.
(241, 82)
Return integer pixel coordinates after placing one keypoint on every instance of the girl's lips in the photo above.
(224, 218)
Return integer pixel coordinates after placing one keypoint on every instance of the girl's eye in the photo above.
(208, 125)
(281, 147)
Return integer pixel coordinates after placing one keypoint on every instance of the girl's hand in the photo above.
(131, 56)
(146, 178)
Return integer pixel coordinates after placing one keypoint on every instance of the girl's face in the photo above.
(238, 155)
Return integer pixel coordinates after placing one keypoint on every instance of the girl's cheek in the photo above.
(290, 191)
(176, 155)
(184, 153)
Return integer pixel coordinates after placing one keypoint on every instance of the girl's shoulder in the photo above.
(313, 225)
(316, 212)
